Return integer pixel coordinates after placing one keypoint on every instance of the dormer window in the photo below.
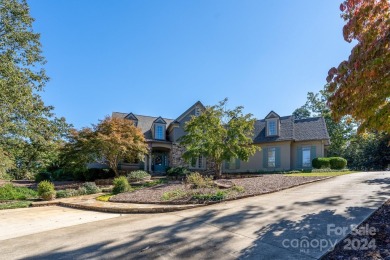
(132, 118)
(158, 128)
(159, 132)
(272, 124)
(272, 128)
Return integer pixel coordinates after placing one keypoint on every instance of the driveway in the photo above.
(263, 227)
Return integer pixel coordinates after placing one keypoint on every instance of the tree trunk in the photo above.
(218, 170)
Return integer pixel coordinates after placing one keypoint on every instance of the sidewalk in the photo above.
(89, 202)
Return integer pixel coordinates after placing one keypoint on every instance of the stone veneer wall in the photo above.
(176, 159)
(176, 156)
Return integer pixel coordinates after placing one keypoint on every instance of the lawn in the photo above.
(319, 174)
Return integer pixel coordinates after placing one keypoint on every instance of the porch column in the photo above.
(145, 163)
(150, 162)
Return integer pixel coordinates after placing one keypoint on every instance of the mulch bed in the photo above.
(59, 185)
(252, 186)
(359, 249)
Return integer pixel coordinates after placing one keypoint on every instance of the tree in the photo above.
(109, 142)
(220, 134)
(28, 128)
(368, 151)
(339, 132)
(360, 86)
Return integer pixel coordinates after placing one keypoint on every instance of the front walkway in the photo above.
(270, 226)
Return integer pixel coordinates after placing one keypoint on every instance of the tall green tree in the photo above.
(340, 132)
(360, 85)
(368, 151)
(28, 128)
(220, 134)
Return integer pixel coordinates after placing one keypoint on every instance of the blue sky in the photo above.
(159, 57)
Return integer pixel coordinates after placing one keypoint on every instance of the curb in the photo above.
(170, 208)
(126, 210)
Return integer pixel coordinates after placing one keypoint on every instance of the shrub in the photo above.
(138, 175)
(82, 191)
(175, 194)
(46, 190)
(10, 192)
(62, 175)
(91, 188)
(178, 171)
(198, 181)
(321, 162)
(67, 193)
(120, 185)
(95, 173)
(43, 176)
(218, 196)
(239, 189)
(337, 163)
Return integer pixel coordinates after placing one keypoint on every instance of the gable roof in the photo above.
(272, 114)
(198, 103)
(144, 122)
(292, 129)
(131, 116)
(160, 120)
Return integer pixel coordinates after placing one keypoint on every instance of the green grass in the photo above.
(175, 194)
(105, 197)
(319, 174)
(15, 204)
(10, 192)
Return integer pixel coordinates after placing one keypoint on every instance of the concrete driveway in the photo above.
(263, 227)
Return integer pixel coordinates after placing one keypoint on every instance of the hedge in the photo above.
(321, 162)
(336, 163)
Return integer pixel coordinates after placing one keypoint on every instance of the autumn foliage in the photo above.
(360, 86)
(109, 142)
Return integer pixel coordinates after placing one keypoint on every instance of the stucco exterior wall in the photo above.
(319, 150)
(255, 162)
(179, 131)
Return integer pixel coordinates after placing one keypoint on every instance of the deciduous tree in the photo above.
(339, 132)
(220, 134)
(360, 86)
(109, 142)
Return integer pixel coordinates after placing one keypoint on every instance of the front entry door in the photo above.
(160, 162)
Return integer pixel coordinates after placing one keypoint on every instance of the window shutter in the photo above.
(277, 157)
(237, 164)
(313, 153)
(193, 161)
(227, 165)
(265, 157)
(299, 157)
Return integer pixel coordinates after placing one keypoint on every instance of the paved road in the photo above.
(263, 227)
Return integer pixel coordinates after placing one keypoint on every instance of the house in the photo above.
(286, 143)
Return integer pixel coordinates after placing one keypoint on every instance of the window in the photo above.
(272, 128)
(271, 157)
(197, 111)
(198, 162)
(306, 157)
(159, 132)
(232, 164)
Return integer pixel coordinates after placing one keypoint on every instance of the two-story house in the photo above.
(286, 143)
